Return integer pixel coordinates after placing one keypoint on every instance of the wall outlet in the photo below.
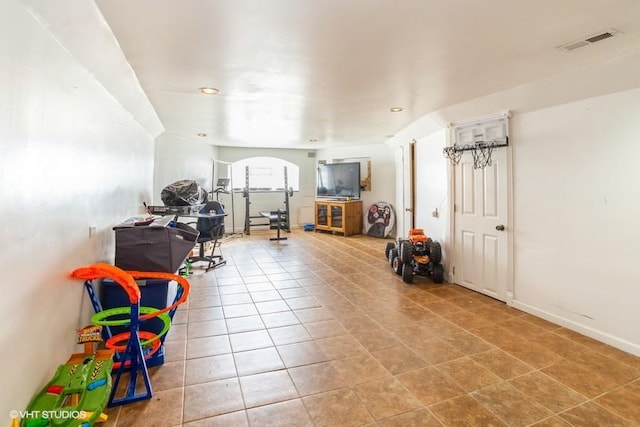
(92, 231)
(435, 213)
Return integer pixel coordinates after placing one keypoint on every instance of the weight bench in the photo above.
(279, 219)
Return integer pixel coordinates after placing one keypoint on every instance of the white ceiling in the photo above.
(291, 71)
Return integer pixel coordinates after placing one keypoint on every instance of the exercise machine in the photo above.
(279, 219)
(224, 186)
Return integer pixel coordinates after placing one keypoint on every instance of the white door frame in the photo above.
(512, 227)
(406, 180)
(410, 198)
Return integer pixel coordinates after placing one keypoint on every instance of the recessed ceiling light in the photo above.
(209, 90)
(396, 109)
(202, 135)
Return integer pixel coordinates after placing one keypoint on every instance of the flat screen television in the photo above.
(338, 181)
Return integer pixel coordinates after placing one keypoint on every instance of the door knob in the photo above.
(500, 227)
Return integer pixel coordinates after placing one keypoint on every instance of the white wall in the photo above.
(382, 171)
(576, 196)
(433, 190)
(300, 205)
(72, 156)
(178, 158)
(577, 215)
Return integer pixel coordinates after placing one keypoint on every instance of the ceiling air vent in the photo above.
(589, 40)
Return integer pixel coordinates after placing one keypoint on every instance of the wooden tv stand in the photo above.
(339, 216)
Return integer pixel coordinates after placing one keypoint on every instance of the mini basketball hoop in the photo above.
(453, 154)
(480, 137)
(482, 155)
(480, 151)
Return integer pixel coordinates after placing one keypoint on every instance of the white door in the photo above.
(481, 225)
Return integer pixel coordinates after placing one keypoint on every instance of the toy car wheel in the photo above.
(393, 254)
(387, 249)
(438, 273)
(397, 265)
(407, 273)
(435, 253)
(406, 251)
(428, 245)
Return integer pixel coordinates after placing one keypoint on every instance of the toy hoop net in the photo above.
(482, 155)
(452, 154)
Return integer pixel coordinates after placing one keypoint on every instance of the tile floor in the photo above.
(317, 330)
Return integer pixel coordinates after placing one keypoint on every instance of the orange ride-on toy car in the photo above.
(416, 255)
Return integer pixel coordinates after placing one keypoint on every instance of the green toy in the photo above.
(79, 390)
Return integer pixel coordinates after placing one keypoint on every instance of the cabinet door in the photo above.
(322, 214)
(337, 216)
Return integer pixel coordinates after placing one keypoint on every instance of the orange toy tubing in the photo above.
(168, 276)
(103, 270)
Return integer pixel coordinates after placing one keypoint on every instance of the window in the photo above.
(265, 174)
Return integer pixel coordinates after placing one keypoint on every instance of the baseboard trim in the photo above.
(614, 341)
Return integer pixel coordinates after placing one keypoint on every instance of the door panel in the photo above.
(468, 189)
(490, 192)
(481, 204)
(468, 258)
(491, 253)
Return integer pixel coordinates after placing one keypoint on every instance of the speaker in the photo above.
(311, 154)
